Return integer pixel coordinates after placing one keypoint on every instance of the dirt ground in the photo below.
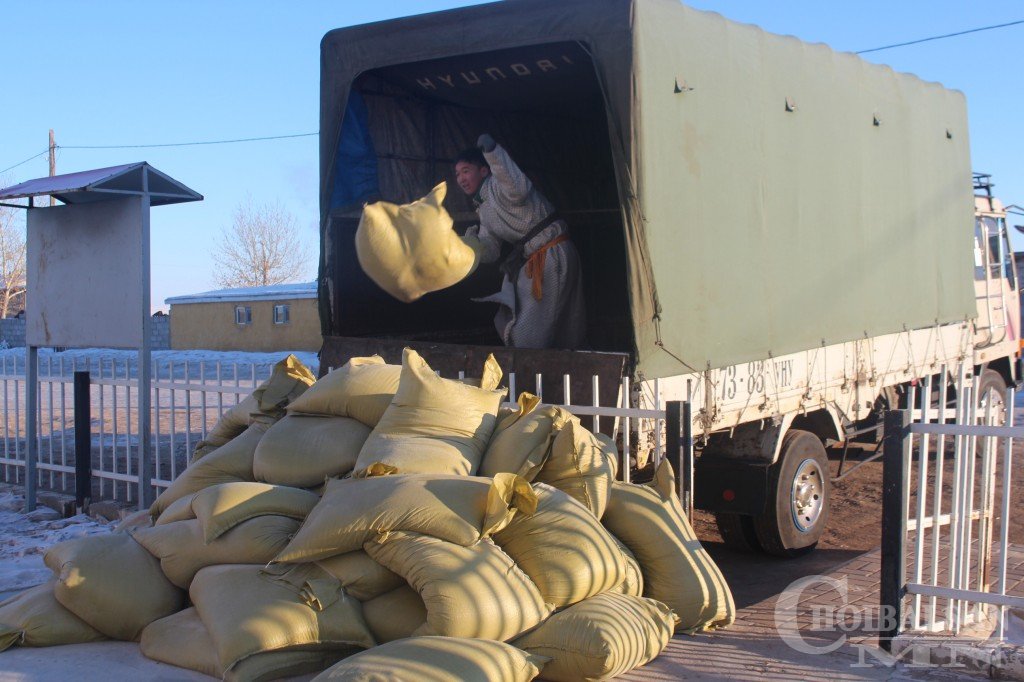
(853, 528)
(855, 522)
(856, 511)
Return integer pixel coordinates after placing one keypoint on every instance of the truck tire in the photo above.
(738, 531)
(992, 387)
(799, 484)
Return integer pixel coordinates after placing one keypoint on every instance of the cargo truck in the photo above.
(781, 234)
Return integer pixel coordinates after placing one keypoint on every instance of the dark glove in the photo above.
(486, 143)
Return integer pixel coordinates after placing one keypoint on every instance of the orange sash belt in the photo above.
(535, 265)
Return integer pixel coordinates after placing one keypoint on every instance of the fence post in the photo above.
(896, 447)
(679, 446)
(687, 475)
(31, 424)
(83, 441)
(674, 440)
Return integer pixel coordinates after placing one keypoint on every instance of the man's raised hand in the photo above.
(486, 143)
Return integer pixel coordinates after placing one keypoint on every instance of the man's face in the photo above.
(470, 176)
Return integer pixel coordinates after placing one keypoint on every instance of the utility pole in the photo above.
(53, 163)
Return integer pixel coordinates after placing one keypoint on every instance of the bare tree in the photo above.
(262, 246)
(12, 260)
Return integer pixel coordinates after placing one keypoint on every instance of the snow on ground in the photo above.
(26, 537)
(201, 364)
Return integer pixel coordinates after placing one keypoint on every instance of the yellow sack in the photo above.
(601, 638)
(677, 570)
(181, 639)
(437, 659)
(490, 379)
(248, 613)
(522, 439)
(137, 519)
(361, 389)
(395, 615)
(287, 381)
(633, 583)
(183, 550)
(474, 591)
(433, 425)
(220, 508)
(35, 618)
(228, 463)
(410, 250)
(179, 510)
(362, 577)
(303, 450)
(112, 583)
(231, 424)
(203, 448)
(563, 548)
(581, 464)
(354, 511)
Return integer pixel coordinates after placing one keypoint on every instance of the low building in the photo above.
(261, 319)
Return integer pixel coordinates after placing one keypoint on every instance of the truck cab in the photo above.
(997, 331)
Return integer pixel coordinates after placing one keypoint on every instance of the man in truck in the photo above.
(541, 298)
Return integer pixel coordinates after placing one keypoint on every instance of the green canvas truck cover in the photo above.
(774, 195)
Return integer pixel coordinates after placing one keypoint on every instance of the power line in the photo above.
(150, 146)
(947, 35)
(185, 144)
(22, 163)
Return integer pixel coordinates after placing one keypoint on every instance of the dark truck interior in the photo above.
(403, 127)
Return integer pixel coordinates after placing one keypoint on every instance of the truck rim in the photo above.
(808, 495)
(996, 414)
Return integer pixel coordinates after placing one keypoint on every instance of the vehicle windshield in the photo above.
(996, 255)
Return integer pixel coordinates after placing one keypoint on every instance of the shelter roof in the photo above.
(104, 184)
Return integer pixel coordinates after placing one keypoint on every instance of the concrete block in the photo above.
(62, 504)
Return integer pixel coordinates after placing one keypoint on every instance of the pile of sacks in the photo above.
(386, 522)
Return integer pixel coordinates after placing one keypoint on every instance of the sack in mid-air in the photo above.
(411, 249)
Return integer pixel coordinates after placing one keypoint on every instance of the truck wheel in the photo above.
(992, 388)
(738, 531)
(799, 482)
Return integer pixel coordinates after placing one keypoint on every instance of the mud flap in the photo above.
(730, 485)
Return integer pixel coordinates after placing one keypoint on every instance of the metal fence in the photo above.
(639, 432)
(189, 397)
(948, 467)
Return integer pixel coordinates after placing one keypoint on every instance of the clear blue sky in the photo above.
(119, 72)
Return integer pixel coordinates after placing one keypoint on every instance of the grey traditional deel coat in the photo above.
(509, 207)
